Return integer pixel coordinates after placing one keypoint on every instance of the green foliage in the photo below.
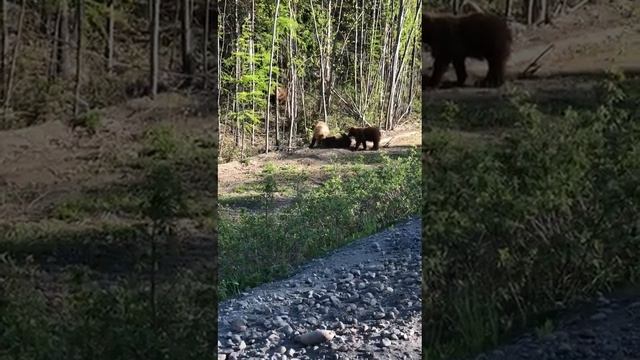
(548, 214)
(90, 321)
(39, 102)
(90, 120)
(258, 247)
(162, 141)
(121, 201)
(165, 194)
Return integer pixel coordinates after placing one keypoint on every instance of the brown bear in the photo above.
(336, 142)
(362, 135)
(279, 95)
(453, 39)
(320, 131)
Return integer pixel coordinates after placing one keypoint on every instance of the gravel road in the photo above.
(608, 329)
(366, 294)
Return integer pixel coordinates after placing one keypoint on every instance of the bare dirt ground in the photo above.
(235, 174)
(590, 41)
(45, 166)
(47, 163)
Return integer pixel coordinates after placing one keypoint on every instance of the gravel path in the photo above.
(605, 330)
(367, 294)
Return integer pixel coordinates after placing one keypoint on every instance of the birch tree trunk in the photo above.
(205, 42)
(109, 47)
(155, 38)
(79, 20)
(273, 48)
(394, 69)
(187, 51)
(3, 50)
(63, 41)
(252, 67)
(14, 58)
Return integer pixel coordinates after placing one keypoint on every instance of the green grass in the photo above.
(80, 291)
(257, 247)
(86, 320)
(547, 211)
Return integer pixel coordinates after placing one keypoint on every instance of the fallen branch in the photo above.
(473, 5)
(388, 142)
(578, 6)
(535, 66)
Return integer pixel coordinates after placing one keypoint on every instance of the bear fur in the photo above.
(336, 142)
(320, 131)
(362, 135)
(279, 96)
(452, 39)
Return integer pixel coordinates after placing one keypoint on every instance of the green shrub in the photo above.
(548, 215)
(89, 321)
(260, 246)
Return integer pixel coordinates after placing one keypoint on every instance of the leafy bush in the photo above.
(549, 215)
(89, 321)
(257, 247)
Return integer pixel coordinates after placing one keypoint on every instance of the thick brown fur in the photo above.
(453, 39)
(320, 131)
(362, 135)
(279, 95)
(336, 142)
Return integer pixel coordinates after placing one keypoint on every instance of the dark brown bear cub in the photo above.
(453, 39)
(362, 135)
(340, 142)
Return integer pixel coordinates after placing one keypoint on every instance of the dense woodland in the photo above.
(62, 58)
(529, 12)
(343, 62)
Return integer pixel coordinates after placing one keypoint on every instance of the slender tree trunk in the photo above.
(394, 68)
(14, 58)
(252, 67)
(4, 45)
(383, 63)
(110, 29)
(292, 83)
(187, 52)
(277, 105)
(79, 20)
(53, 56)
(323, 66)
(236, 102)
(508, 8)
(155, 43)
(205, 45)
(530, 7)
(269, 91)
(63, 43)
(219, 46)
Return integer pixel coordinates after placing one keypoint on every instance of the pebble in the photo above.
(366, 310)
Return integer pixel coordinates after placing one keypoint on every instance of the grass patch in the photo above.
(86, 320)
(503, 112)
(78, 292)
(260, 246)
(549, 214)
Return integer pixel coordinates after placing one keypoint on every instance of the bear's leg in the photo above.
(364, 144)
(375, 145)
(495, 74)
(439, 68)
(357, 144)
(461, 71)
(499, 72)
(313, 142)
